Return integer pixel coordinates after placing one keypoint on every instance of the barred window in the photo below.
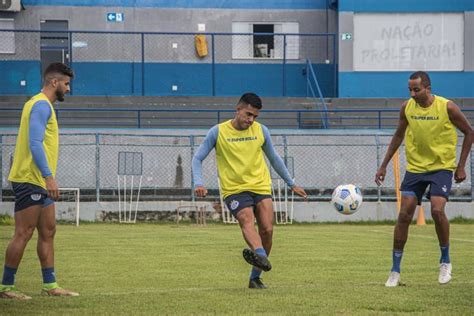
(7, 39)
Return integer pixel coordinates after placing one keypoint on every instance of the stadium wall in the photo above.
(122, 59)
(393, 84)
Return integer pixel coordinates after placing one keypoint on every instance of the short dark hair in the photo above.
(252, 99)
(425, 79)
(57, 69)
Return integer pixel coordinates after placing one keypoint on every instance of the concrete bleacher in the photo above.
(178, 112)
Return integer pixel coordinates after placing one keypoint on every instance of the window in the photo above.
(248, 44)
(7, 39)
(263, 45)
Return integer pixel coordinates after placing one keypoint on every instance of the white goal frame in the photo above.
(77, 201)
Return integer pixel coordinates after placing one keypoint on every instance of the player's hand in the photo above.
(200, 191)
(300, 191)
(52, 187)
(380, 176)
(459, 175)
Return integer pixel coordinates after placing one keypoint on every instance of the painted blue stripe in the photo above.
(12, 72)
(408, 6)
(451, 84)
(123, 78)
(219, 4)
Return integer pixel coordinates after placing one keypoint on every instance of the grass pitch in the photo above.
(317, 269)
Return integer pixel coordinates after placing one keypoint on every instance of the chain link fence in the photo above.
(318, 162)
(145, 63)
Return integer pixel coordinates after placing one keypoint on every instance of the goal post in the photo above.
(68, 205)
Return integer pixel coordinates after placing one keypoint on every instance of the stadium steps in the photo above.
(199, 119)
(128, 119)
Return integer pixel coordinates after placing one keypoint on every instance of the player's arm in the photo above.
(203, 151)
(395, 143)
(39, 116)
(278, 164)
(460, 121)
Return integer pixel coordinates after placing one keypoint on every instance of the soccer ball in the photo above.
(346, 199)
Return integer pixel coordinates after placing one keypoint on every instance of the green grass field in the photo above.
(317, 269)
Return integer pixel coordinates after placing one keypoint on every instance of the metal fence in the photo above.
(144, 63)
(206, 118)
(318, 162)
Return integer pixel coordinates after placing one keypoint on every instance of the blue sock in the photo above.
(444, 254)
(255, 271)
(9, 275)
(48, 275)
(396, 259)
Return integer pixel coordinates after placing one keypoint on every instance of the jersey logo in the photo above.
(35, 197)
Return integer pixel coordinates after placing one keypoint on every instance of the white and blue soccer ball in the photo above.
(346, 199)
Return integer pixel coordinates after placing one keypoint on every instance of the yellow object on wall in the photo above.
(201, 45)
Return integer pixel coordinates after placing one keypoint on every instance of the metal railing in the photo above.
(145, 52)
(312, 79)
(205, 118)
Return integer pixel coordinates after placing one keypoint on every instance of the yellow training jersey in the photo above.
(240, 160)
(430, 139)
(24, 168)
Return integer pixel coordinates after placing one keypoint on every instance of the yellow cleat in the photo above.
(10, 292)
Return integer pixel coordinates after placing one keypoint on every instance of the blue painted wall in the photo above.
(116, 78)
(224, 4)
(395, 84)
(12, 72)
(408, 6)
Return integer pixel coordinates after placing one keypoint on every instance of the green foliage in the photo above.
(6, 220)
(317, 269)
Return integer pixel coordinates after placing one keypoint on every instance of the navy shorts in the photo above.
(236, 202)
(439, 183)
(27, 194)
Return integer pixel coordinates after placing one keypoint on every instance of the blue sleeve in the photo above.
(275, 160)
(39, 116)
(208, 144)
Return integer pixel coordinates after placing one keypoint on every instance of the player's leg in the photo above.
(412, 189)
(440, 188)
(256, 255)
(264, 216)
(25, 223)
(45, 249)
(246, 219)
(400, 236)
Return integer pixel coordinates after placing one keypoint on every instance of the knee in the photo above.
(24, 234)
(404, 218)
(266, 232)
(438, 215)
(47, 232)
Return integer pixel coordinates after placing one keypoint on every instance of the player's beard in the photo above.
(59, 95)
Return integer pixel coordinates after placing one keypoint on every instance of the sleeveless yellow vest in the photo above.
(431, 138)
(24, 168)
(240, 160)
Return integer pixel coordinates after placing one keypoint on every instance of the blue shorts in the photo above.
(416, 183)
(236, 202)
(27, 194)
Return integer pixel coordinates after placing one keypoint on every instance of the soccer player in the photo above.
(428, 123)
(33, 180)
(245, 179)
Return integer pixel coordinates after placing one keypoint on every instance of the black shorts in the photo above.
(416, 183)
(236, 202)
(27, 194)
